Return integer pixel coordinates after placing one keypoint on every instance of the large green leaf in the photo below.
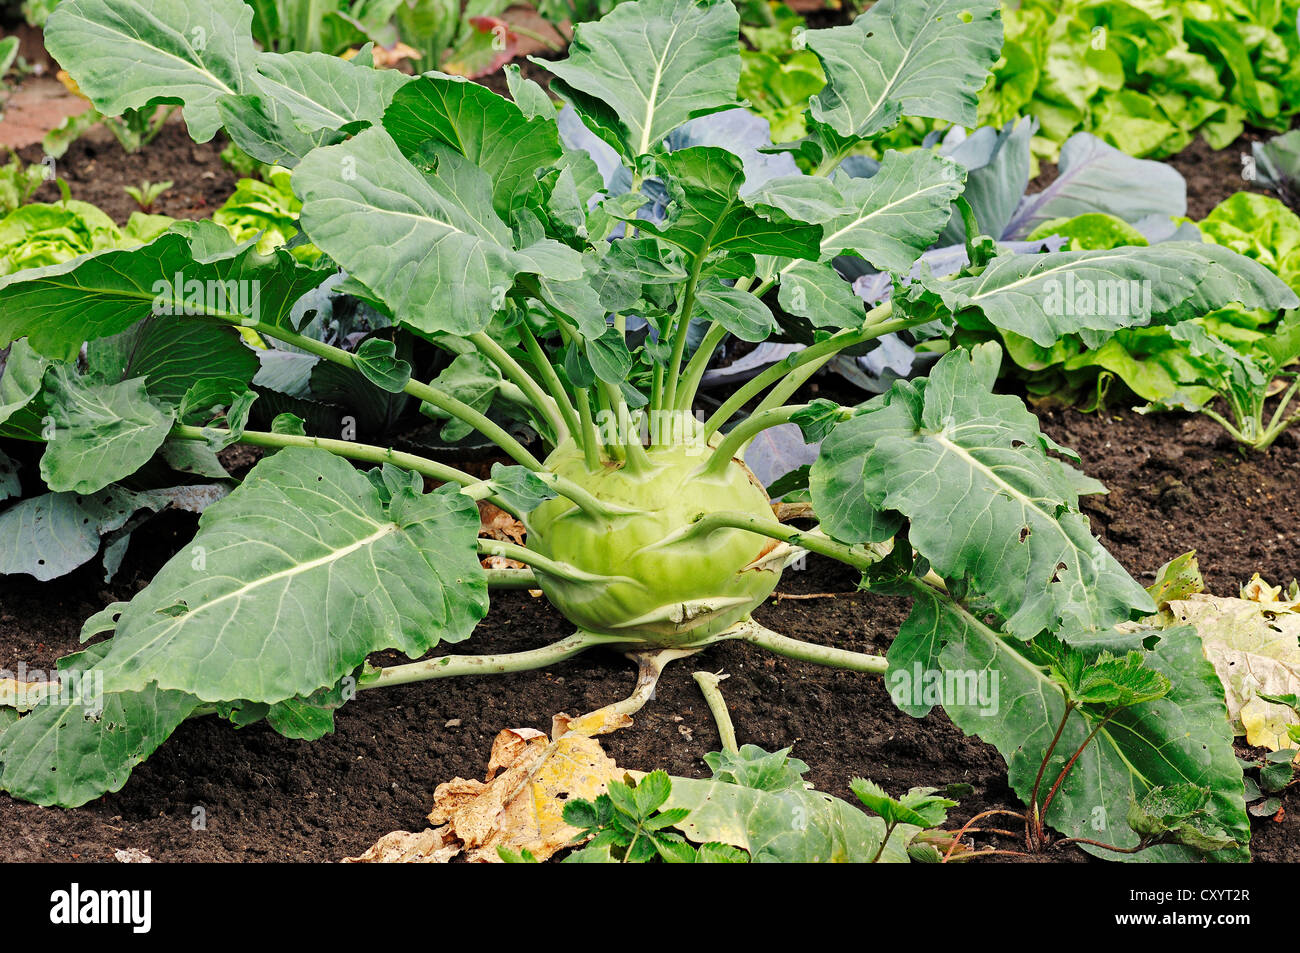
(991, 511)
(298, 101)
(429, 243)
(488, 130)
(1094, 293)
(61, 306)
(1181, 738)
(906, 58)
(888, 219)
(896, 214)
(74, 750)
(266, 616)
(102, 432)
(648, 67)
(126, 54)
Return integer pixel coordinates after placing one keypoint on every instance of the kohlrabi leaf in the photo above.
(816, 291)
(648, 67)
(1182, 737)
(1094, 293)
(377, 361)
(520, 488)
(473, 380)
(244, 614)
(325, 92)
(890, 218)
(101, 432)
(300, 719)
(74, 750)
(428, 243)
(61, 306)
(127, 54)
(990, 510)
(905, 58)
(298, 101)
(488, 130)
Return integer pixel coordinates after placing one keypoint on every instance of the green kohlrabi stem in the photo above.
(876, 326)
(681, 330)
(734, 443)
(549, 377)
(695, 368)
(495, 547)
(544, 404)
(860, 557)
(1227, 425)
(590, 442)
(511, 578)
(1279, 422)
(792, 381)
(443, 401)
(756, 634)
(342, 448)
(447, 666)
(708, 683)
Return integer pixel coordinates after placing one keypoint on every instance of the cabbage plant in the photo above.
(463, 216)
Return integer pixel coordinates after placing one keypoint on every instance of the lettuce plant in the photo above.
(1147, 77)
(463, 216)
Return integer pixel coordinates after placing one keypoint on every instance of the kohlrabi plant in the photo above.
(463, 216)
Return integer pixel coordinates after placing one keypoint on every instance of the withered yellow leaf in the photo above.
(1255, 649)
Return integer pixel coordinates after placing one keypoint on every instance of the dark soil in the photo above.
(1213, 176)
(1175, 485)
(96, 168)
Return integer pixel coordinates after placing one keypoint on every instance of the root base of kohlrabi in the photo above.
(662, 591)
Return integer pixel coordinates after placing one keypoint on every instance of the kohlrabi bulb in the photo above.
(669, 593)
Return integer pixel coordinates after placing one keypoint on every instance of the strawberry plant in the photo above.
(465, 217)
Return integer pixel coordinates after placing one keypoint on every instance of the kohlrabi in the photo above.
(469, 219)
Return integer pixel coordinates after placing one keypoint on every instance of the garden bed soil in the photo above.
(1175, 485)
(96, 168)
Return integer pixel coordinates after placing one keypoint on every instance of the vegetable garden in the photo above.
(735, 433)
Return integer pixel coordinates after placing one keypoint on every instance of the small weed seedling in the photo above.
(147, 193)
